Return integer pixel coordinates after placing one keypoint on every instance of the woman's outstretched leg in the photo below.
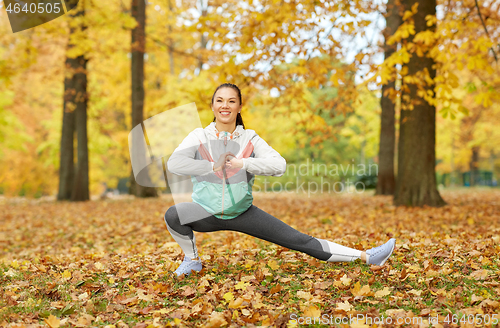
(258, 223)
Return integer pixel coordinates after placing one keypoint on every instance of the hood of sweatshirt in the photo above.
(212, 132)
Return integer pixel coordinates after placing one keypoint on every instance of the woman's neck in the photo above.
(228, 127)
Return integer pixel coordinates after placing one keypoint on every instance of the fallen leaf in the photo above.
(475, 299)
(479, 274)
(345, 281)
(415, 292)
(305, 295)
(141, 294)
(273, 265)
(376, 267)
(52, 321)
(58, 305)
(360, 291)
(145, 310)
(84, 320)
(66, 275)
(404, 274)
(489, 303)
(383, 292)
(395, 313)
(275, 289)
(345, 306)
(188, 291)
(216, 319)
(235, 304)
(242, 285)
(129, 301)
(312, 311)
(228, 296)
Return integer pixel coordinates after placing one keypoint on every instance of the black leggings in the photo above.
(257, 223)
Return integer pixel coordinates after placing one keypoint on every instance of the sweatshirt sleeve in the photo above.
(267, 161)
(182, 161)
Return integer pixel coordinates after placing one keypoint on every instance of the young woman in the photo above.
(222, 189)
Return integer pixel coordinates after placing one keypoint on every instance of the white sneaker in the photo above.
(187, 265)
(380, 254)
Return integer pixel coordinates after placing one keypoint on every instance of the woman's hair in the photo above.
(239, 119)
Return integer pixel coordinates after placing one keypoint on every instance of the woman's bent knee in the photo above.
(171, 217)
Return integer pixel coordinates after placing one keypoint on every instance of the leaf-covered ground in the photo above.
(109, 263)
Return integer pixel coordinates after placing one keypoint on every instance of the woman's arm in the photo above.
(182, 161)
(267, 161)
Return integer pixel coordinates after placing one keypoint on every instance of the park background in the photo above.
(411, 86)
(310, 74)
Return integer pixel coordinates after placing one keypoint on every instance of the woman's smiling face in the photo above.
(226, 105)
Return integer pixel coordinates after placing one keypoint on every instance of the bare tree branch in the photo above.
(485, 29)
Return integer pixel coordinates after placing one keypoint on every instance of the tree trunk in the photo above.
(474, 166)
(81, 181)
(386, 183)
(81, 186)
(66, 166)
(203, 40)
(72, 76)
(452, 161)
(492, 161)
(171, 43)
(138, 49)
(416, 183)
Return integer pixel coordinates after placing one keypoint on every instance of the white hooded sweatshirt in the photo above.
(227, 193)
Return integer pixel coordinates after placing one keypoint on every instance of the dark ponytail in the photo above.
(239, 119)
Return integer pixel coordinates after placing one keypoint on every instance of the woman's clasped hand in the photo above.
(224, 161)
